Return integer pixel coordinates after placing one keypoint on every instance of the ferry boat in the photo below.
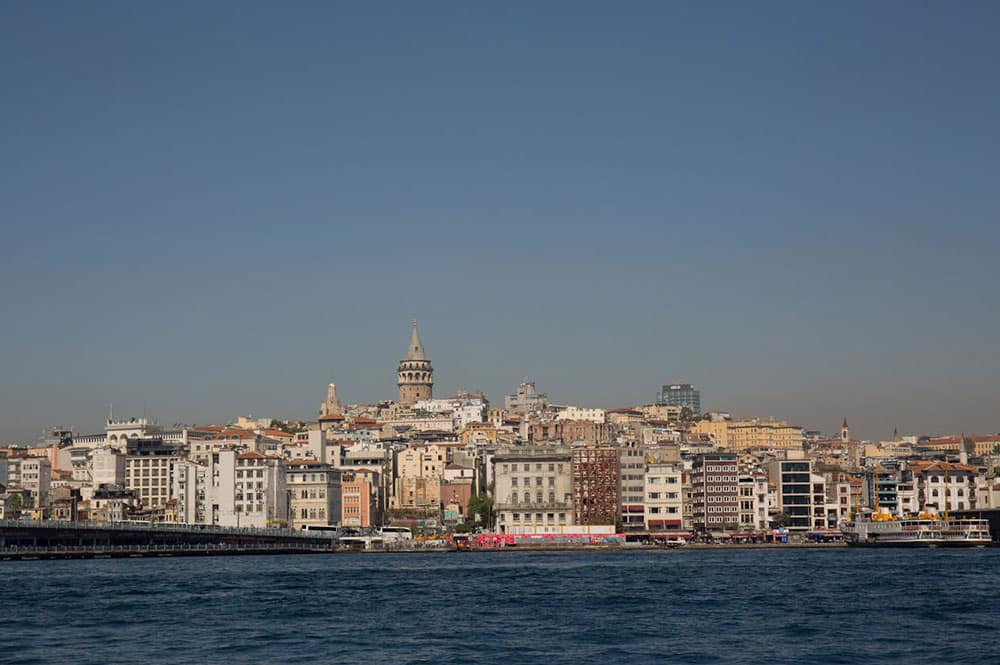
(922, 530)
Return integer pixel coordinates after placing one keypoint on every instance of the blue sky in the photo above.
(210, 210)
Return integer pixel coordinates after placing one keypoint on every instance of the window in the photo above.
(552, 482)
(538, 481)
(513, 482)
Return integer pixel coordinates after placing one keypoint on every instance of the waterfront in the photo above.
(736, 606)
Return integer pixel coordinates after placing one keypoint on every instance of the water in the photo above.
(735, 606)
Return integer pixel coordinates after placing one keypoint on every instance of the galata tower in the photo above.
(415, 376)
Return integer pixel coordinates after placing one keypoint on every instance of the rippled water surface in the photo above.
(736, 606)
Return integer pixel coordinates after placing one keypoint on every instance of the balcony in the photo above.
(533, 507)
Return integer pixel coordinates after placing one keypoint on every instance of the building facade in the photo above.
(533, 490)
(715, 505)
(595, 485)
(148, 470)
(315, 496)
(680, 394)
(664, 499)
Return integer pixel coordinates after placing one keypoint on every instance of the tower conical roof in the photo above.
(415, 351)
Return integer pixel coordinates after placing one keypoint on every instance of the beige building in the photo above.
(660, 411)
(751, 434)
(717, 431)
(149, 470)
(533, 490)
(571, 431)
(419, 471)
(314, 493)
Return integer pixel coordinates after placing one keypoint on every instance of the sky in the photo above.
(215, 209)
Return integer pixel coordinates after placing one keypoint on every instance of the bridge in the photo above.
(25, 539)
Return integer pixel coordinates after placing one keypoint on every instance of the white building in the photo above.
(107, 467)
(36, 477)
(664, 499)
(526, 399)
(191, 492)
(246, 490)
(577, 413)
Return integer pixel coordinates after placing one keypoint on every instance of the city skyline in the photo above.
(415, 352)
(211, 212)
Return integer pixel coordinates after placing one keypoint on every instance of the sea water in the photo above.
(705, 606)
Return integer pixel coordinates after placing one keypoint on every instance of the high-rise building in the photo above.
(801, 493)
(680, 394)
(415, 376)
(715, 492)
(149, 470)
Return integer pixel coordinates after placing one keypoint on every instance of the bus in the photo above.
(325, 528)
(395, 534)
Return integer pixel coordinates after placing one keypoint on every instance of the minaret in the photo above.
(415, 376)
(845, 433)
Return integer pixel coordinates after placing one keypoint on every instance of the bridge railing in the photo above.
(166, 527)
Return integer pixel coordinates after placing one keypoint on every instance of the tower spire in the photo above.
(415, 351)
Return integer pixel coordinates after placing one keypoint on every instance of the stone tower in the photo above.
(845, 432)
(415, 376)
(331, 407)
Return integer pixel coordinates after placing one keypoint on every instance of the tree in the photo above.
(782, 519)
(480, 510)
(687, 414)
